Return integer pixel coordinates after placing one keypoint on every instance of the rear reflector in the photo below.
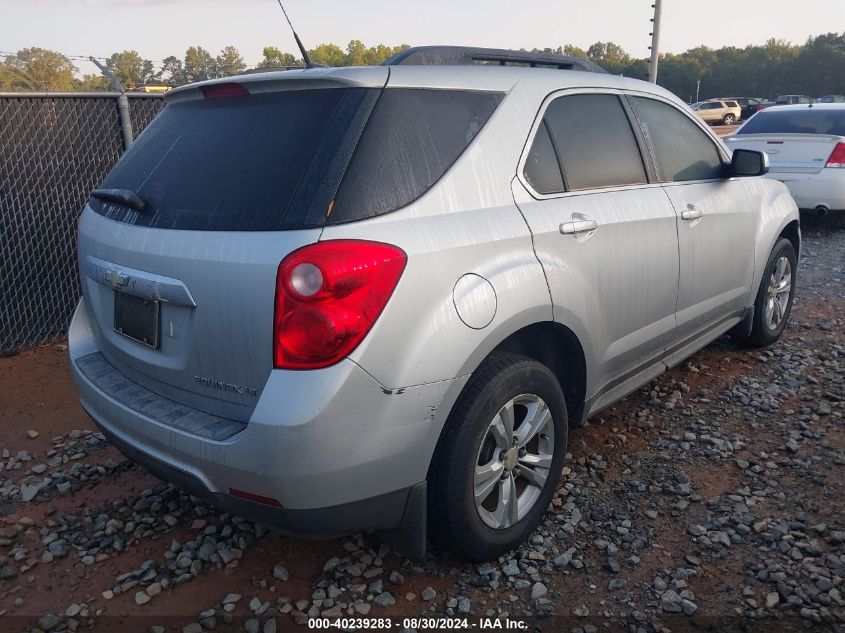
(249, 496)
(221, 91)
(837, 158)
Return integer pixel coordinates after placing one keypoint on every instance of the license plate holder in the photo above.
(137, 318)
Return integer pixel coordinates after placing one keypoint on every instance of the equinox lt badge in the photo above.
(225, 386)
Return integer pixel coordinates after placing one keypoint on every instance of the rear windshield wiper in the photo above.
(126, 197)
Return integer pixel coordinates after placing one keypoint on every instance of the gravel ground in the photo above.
(712, 499)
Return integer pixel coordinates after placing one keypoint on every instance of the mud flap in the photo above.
(742, 330)
(409, 539)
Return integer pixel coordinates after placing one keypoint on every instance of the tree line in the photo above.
(43, 70)
(814, 68)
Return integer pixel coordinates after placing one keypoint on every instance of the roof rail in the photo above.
(468, 55)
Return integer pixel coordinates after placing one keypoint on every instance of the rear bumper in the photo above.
(383, 512)
(338, 452)
(826, 188)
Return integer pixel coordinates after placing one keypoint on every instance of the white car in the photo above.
(806, 149)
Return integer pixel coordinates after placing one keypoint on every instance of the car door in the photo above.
(715, 111)
(604, 233)
(715, 218)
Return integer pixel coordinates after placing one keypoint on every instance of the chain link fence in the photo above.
(54, 149)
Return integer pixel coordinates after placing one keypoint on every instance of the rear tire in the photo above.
(729, 119)
(489, 488)
(773, 304)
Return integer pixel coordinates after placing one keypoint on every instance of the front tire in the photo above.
(499, 460)
(773, 304)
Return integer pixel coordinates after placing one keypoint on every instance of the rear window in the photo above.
(801, 121)
(293, 159)
(413, 136)
(230, 164)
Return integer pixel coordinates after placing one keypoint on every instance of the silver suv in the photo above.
(377, 298)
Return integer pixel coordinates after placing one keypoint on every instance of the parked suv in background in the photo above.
(748, 105)
(718, 112)
(793, 100)
(346, 299)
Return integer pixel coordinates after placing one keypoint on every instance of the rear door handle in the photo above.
(692, 214)
(578, 226)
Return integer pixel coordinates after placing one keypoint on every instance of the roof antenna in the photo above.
(305, 58)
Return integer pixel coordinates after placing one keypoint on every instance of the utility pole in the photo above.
(655, 41)
(697, 89)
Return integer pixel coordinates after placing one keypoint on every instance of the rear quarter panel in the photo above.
(466, 223)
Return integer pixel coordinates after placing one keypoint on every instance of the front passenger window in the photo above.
(684, 152)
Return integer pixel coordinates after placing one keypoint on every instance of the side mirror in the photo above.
(747, 162)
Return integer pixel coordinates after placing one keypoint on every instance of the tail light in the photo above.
(328, 296)
(837, 158)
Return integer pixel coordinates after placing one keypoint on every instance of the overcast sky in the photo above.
(158, 28)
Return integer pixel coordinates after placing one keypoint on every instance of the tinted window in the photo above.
(595, 142)
(541, 168)
(411, 139)
(801, 121)
(223, 164)
(684, 152)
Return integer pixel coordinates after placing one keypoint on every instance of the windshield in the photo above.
(801, 121)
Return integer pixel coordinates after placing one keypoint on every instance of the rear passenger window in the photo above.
(541, 168)
(412, 138)
(684, 152)
(594, 141)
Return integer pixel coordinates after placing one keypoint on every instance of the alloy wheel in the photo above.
(514, 461)
(778, 292)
